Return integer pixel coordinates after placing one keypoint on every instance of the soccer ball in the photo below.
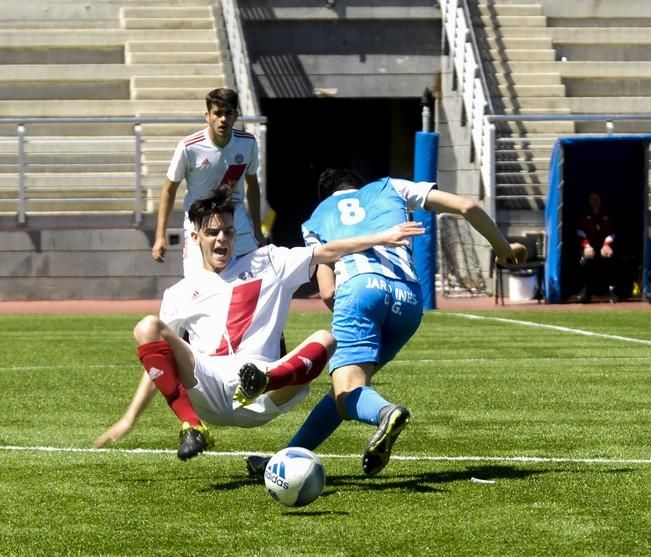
(294, 477)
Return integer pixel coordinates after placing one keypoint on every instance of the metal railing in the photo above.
(471, 82)
(497, 150)
(117, 168)
(244, 79)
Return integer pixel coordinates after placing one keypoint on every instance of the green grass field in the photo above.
(553, 423)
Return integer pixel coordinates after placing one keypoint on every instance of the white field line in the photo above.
(550, 327)
(430, 458)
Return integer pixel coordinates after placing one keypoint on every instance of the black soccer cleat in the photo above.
(256, 465)
(376, 456)
(252, 384)
(194, 440)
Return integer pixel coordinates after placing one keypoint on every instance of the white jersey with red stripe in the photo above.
(205, 165)
(243, 309)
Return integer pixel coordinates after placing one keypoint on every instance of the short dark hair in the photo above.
(222, 97)
(219, 201)
(333, 179)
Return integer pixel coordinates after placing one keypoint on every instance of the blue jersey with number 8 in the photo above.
(370, 209)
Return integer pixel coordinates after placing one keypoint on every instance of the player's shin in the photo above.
(158, 360)
(302, 367)
(319, 425)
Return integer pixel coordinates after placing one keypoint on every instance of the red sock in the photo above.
(301, 368)
(158, 360)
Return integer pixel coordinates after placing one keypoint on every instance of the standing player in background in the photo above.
(218, 154)
(376, 301)
(234, 311)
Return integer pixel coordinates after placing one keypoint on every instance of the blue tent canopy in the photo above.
(617, 167)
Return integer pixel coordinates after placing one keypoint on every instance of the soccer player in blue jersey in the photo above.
(376, 300)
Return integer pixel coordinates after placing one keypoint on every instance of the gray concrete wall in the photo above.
(64, 264)
(358, 49)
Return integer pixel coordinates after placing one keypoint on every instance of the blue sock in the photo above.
(319, 425)
(364, 405)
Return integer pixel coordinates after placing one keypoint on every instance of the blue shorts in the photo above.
(373, 319)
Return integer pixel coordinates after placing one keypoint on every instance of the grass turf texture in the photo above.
(484, 391)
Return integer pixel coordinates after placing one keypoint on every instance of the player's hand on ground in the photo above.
(112, 434)
(159, 249)
(399, 235)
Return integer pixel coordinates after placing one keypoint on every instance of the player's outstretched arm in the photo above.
(444, 202)
(142, 397)
(395, 236)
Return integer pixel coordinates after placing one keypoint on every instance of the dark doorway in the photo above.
(374, 137)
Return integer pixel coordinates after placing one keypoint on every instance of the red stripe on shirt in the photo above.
(241, 310)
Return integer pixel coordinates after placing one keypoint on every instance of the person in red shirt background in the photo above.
(596, 236)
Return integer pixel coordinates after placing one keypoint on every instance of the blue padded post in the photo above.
(425, 169)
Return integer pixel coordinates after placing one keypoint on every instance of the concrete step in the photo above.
(542, 55)
(609, 105)
(520, 43)
(604, 52)
(174, 58)
(536, 127)
(510, 9)
(600, 35)
(170, 46)
(552, 78)
(69, 145)
(532, 102)
(111, 36)
(614, 87)
(77, 180)
(526, 90)
(103, 72)
(637, 20)
(56, 205)
(511, 21)
(515, 109)
(166, 12)
(597, 70)
(168, 93)
(523, 204)
(504, 190)
(516, 32)
(100, 108)
(168, 23)
(172, 81)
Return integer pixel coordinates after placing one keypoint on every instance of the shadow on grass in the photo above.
(426, 482)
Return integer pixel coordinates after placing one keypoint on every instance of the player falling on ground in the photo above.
(234, 312)
(376, 301)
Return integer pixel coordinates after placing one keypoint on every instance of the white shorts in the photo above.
(212, 397)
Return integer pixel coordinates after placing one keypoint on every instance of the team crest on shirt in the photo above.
(205, 162)
(245, 275)
(239, 158)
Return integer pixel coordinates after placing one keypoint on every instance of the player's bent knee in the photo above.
(326, 339)
(147, 329)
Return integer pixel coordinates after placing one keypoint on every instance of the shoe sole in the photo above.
(252, 381)
(254, 471)
(382, 442)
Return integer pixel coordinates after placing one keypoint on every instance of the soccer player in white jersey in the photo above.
(234, 311)
(376, 300)
(218, 154)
